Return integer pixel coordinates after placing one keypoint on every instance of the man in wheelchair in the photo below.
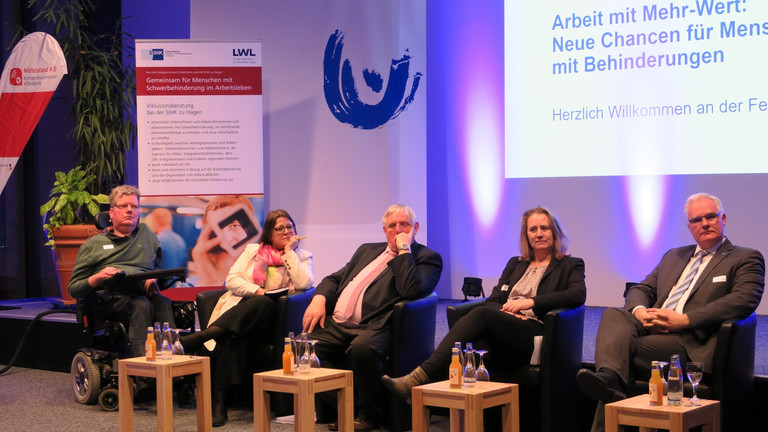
(125, 248)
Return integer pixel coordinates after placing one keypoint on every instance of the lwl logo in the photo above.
(243, 52)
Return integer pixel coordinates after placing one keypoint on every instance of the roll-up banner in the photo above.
(29, 78)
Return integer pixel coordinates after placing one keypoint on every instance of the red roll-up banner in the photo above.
(29, 78)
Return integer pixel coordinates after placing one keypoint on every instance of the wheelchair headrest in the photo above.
(102, 220)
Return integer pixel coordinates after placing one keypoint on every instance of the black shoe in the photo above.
(598, 386)
(221, 420)
(219, 409)
(362, 424)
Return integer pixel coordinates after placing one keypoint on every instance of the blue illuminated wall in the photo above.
(621, 226)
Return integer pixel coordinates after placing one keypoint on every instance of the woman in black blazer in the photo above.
(542, 278)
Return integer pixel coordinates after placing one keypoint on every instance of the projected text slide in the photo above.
(605, 87)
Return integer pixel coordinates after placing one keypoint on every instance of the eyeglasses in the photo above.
(122, 207)
(709, 217)
(281, 229)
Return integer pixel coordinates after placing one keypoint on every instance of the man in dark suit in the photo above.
(353, 307)
(678, 308)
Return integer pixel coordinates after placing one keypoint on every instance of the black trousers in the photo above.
(141, 312)
(508, 338)
(248, 321)
(361, 351)
(627, 348)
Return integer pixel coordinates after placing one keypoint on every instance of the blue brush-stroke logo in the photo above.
(344, 100)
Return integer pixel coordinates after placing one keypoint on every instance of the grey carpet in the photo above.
(35, 400)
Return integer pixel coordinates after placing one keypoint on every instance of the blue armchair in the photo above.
(288, 314)
(413, 341)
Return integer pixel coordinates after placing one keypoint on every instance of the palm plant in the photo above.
(103, 89)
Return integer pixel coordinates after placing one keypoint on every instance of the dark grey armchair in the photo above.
(548, 392)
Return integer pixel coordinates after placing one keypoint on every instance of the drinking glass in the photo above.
(177, 347)
(694, 370)
(482, 372)
(314, 362)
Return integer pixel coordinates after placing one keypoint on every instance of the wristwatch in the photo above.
(404, 247)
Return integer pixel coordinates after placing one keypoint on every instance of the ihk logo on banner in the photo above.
(16, 77)
(157, 54)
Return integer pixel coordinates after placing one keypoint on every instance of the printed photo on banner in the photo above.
(205, 234)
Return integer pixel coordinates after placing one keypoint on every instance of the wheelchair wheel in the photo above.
(86, 379)
(108, 399)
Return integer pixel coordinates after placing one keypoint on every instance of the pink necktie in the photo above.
(365, 281)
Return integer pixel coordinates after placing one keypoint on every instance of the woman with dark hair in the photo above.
(542, 278)
(275, 264)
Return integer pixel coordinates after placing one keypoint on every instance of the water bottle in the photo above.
(470, 374)
(304, 360)
(457, 345)
(675, 382)
(295, 349)
(166, 349)
(158, 336)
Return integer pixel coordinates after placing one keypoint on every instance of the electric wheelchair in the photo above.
(94, 368)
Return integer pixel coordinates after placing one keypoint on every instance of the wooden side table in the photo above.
(164, 371)
(472, 401)
(303, 387)
(637, 411)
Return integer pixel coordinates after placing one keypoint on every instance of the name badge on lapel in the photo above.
(504, 288)
(718, 279)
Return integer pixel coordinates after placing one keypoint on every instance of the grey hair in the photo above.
(701, 195)
(120, 191)
(399, 208)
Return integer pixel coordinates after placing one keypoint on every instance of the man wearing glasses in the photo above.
(127, 247)
(678, 308)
